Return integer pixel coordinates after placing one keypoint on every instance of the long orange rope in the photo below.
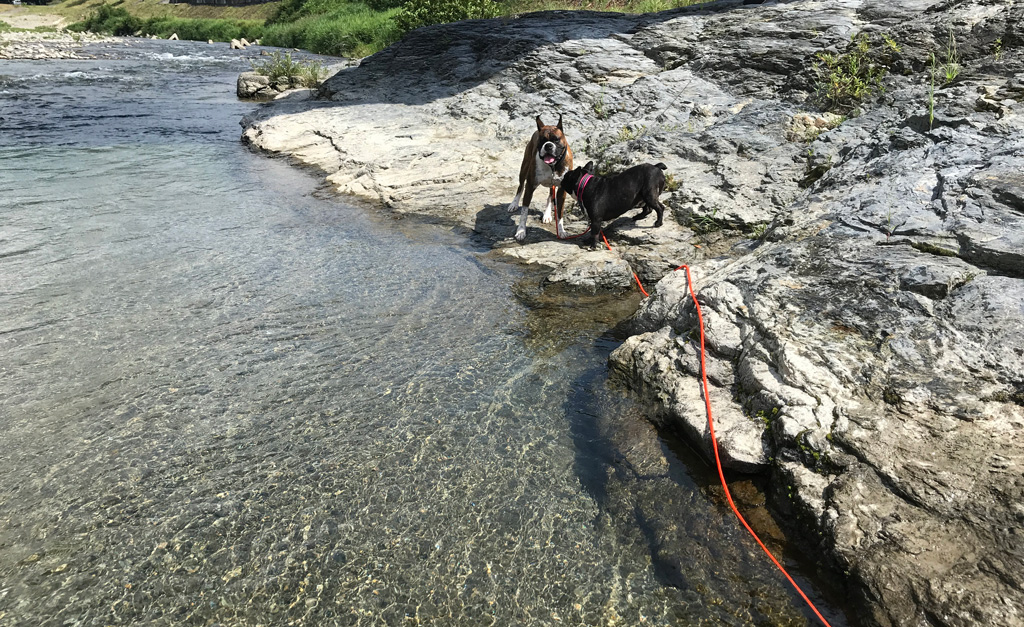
(718, 461)
(714, 440)
(638, 283)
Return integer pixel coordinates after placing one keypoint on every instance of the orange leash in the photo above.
(714, 440)
(718, 461)
(638, 283)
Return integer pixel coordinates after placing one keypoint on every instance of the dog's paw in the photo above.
(561, 232)
(546, 218)
(513, 207)
(520, 234)
(658, 223)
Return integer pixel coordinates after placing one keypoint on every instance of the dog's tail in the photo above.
(661, 165)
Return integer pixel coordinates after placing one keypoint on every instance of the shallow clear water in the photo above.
(228, 398)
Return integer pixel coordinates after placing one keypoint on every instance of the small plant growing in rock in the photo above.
(313, 73)
(282, 67)
(844, 80)
(891, 44)
(278, 66)
(766, 418)
(759, 231)
(706, 223)
(600, 110)
(626, 133)
(951, 67)
(671, 184)
(997, 48)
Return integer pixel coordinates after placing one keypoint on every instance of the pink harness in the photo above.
(580, 186)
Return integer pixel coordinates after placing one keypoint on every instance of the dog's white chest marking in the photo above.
(543, 174)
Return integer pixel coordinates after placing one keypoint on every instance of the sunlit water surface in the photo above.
(226, 398)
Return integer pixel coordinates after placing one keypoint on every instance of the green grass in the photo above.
(282, 66)
(353, 30)
(333, 27)
(951, 68)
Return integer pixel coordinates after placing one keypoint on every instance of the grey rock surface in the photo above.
(861, 276)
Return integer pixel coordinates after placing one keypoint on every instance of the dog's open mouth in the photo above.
(549, 159)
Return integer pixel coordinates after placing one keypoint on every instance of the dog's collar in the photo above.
(565, 151)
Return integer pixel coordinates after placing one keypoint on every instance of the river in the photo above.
(229, 398)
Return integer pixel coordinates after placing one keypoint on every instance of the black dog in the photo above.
(608, 198)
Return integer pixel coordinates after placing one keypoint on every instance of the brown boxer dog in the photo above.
(547, 158)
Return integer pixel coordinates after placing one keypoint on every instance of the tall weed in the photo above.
(355, 33)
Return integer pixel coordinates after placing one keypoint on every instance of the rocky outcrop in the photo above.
(256, 86)
(860, 274)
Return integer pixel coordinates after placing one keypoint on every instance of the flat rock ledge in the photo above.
(861, 277)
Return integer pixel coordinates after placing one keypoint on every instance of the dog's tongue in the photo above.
(549, 159)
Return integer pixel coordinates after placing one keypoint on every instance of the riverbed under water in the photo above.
(227, 397)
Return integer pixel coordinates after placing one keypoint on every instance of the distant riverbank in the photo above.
(44, 44)
(331, 27)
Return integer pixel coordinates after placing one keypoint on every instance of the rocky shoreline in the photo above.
(861, 274)
(61, 44)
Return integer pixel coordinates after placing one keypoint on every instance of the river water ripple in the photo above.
(228, 398)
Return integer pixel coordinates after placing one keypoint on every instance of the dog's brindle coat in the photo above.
(547, 158)
(606, 198)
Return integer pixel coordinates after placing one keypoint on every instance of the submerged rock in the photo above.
(861, 274)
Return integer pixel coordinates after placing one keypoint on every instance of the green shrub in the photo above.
(117, 21)
(278, 66)
(357, 31)
(111, 20)
(417, 13)
(845, 80)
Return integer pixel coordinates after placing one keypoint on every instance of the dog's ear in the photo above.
(589, 168)
(559, 121)
(540, 124)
